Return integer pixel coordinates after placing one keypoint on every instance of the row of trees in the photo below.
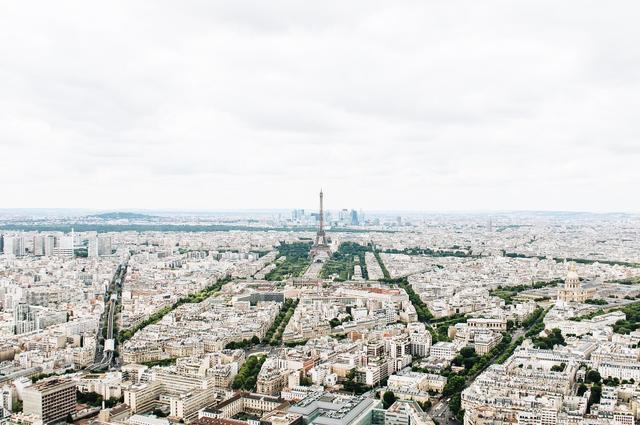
(293, 260)
(274, 334)
(162, 362)
(509, 351)
(158, 315)
(424, 315)
(337, 322)
(385, 272)
(533, 323)
(341, 262)
(440, 327)
(596, 302)
(455, 385)
(594, 382)
(95, 399)
(467, 357)
(245, 343)
(40, 376)
(628, 281)
(455, 252)
(631, 323)
(588, 261)
(573, 260)
(296, 343)
(550, 341)
(474, 364)
(248, 374)
(588, 316)
(507, 293)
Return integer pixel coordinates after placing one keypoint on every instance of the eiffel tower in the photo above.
(321, 238)
(320, 251)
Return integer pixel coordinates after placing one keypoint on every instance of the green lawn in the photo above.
(296, 261)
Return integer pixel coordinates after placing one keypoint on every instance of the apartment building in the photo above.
(50, 400)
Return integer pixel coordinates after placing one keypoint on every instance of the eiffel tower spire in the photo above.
(321, 228)
(320, 245)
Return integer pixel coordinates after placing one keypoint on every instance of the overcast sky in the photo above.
(426, 105)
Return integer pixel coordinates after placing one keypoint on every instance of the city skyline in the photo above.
(319, 213)
(168, 212)
(438, 320)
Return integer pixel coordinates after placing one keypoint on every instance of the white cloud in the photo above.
(387, 105)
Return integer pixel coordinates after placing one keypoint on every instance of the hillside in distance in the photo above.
(117, 215)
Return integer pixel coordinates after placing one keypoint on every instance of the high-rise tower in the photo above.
(321, 238)
(320, 250)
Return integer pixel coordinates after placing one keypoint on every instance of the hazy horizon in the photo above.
(168, 211)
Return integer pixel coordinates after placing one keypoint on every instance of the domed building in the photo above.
(573, 290)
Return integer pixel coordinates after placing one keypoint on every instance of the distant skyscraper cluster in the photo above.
(297, 215)
(344, 217)
(353, 217)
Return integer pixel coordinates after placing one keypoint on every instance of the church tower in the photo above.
(572, 291)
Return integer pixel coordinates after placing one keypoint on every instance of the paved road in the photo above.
(313, 271)
(260, 348)
(442, 414)
(112, 310)
(104, 358)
